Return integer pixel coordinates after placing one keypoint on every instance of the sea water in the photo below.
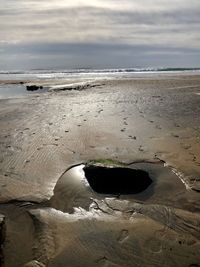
(10, 86)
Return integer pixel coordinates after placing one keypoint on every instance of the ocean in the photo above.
(10, 86)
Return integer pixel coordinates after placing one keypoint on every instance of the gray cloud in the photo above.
(145, 27)
(73, 55)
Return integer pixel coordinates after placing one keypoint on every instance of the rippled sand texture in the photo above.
(151, 120)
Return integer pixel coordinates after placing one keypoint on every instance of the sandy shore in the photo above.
(145, 119)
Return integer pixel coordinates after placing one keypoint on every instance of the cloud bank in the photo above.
(128, 33)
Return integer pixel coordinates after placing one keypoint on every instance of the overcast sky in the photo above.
(99, 33)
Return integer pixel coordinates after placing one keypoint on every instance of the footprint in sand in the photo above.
(185, 146)
(141, 149)
(132, 137)
(158, 127)
(175, 135)
(105, 262)
(123, 236)
(154, 245)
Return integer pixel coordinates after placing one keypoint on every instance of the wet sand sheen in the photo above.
(157, 185)
(141, 122)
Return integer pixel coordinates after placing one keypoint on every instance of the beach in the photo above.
(150, 120)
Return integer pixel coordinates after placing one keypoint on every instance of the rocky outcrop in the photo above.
(33, 87)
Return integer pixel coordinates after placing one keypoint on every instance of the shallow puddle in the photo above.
(149, 183)
(16, 91)
(116, 180)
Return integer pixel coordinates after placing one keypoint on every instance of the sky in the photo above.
(70, 34)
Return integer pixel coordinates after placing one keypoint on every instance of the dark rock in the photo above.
(33, 87)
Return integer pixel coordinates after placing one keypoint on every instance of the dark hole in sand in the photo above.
(105, 180)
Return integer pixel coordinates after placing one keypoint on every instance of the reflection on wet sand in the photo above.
(51, 215)
(162, 187)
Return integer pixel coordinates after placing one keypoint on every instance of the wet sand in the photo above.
(144, 120)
